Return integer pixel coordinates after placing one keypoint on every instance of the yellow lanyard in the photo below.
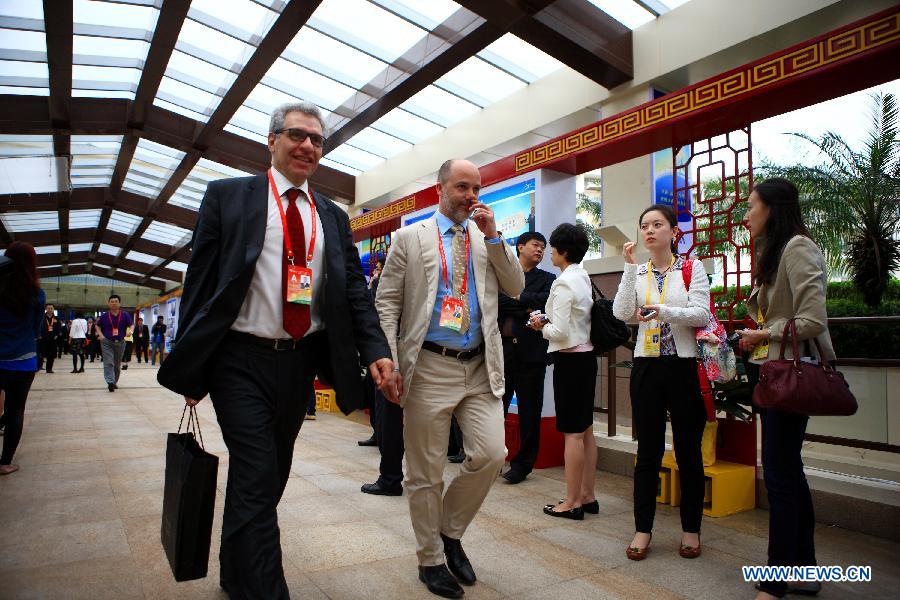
(651, 282)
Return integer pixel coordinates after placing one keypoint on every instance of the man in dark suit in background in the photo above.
(525, 353)
(47, 341)
(141, 340)
(253, 340)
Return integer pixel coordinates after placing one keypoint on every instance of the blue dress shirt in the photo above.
(442, 335)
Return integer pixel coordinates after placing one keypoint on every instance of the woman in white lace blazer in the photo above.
(664, 377)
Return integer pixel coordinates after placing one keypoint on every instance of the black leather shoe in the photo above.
(457, 458)
(369, 442)
(439, 581)
(111, 387)
(514, 477)
(576, 514)
(458, 561)
(590, 507)
(378, 490)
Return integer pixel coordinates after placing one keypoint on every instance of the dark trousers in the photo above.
(140, 350)
(62, 345)
(260, 396)
(16, 385)
(526, 381)
(387, 421)
(129, 346)
(791, 516)
(46, 352)
(93, 349)
(657, 385)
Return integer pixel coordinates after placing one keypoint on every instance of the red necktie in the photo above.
(296, 316)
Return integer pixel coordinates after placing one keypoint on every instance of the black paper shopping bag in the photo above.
(188, 501)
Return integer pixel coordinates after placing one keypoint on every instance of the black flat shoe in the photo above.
(439, 581)
(513, 477)
(457, 458)
(590, 507)
(576, 514)
(804, 588)
(369, 442)
(111, 387)
(377, 490)
(457, 561)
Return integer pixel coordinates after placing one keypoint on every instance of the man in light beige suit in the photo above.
(437, 301)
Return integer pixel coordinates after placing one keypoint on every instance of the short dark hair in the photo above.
(570, 240)
(528, 236)
(158, 317)
(116, 296)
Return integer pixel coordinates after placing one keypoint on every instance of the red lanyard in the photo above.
(287, 235)
(462, 290)
(118, 321)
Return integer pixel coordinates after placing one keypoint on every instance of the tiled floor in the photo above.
(82, 518)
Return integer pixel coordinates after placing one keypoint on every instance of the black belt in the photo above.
(280, 345)
(458, 354)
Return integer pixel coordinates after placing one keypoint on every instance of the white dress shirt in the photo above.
(263, 309)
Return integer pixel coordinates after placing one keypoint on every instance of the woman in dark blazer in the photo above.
(790, 284)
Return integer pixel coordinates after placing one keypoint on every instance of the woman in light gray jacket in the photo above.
(664, 377)
(567, 326)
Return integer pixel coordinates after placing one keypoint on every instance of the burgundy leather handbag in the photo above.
(795, 386)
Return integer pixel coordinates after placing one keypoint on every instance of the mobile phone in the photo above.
(648, 313)
(734, 338)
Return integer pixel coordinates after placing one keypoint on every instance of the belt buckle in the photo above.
(463, 355)
(279, 348)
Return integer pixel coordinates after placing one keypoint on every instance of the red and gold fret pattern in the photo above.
(389, 211)
(838, 46)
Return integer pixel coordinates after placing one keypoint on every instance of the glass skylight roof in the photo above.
(141, 257)
(177, 266)
(629, 14)
(123, 222)
(150, 168)
(479, 82)
(41, 220)
(26, 145)
(165, 233)
(439, 106)
(355, 21)
(84, 219)
(107, 249)
(339, 60)
(93, 159)
(49, 249)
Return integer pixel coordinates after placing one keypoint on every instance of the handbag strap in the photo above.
(790, 329)
(595, 292)
(193, 424)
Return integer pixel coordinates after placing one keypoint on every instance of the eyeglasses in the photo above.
(299, 136)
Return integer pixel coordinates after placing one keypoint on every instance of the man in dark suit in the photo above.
(141, 340)
(525, 353)
(47, 341)
(254, 339)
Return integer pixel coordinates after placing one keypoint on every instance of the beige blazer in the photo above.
(798, 292)
(408, 290)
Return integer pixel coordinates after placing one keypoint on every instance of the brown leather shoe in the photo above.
(635, 553)
(689, 551)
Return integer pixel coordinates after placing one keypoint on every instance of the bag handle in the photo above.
(792, 326)
(193, 425)
(596, 291)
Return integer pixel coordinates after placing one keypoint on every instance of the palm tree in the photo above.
(589, 213)
(851, 202)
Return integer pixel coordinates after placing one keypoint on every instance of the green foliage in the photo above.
(843, 299)
(850, 202)
(589, 213)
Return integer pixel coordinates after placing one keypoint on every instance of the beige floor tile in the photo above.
(105, 579)
(64, 543)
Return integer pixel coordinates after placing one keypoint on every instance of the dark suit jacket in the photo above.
(530, 344)
(53, 333)
(228, 239)
(142, 335)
